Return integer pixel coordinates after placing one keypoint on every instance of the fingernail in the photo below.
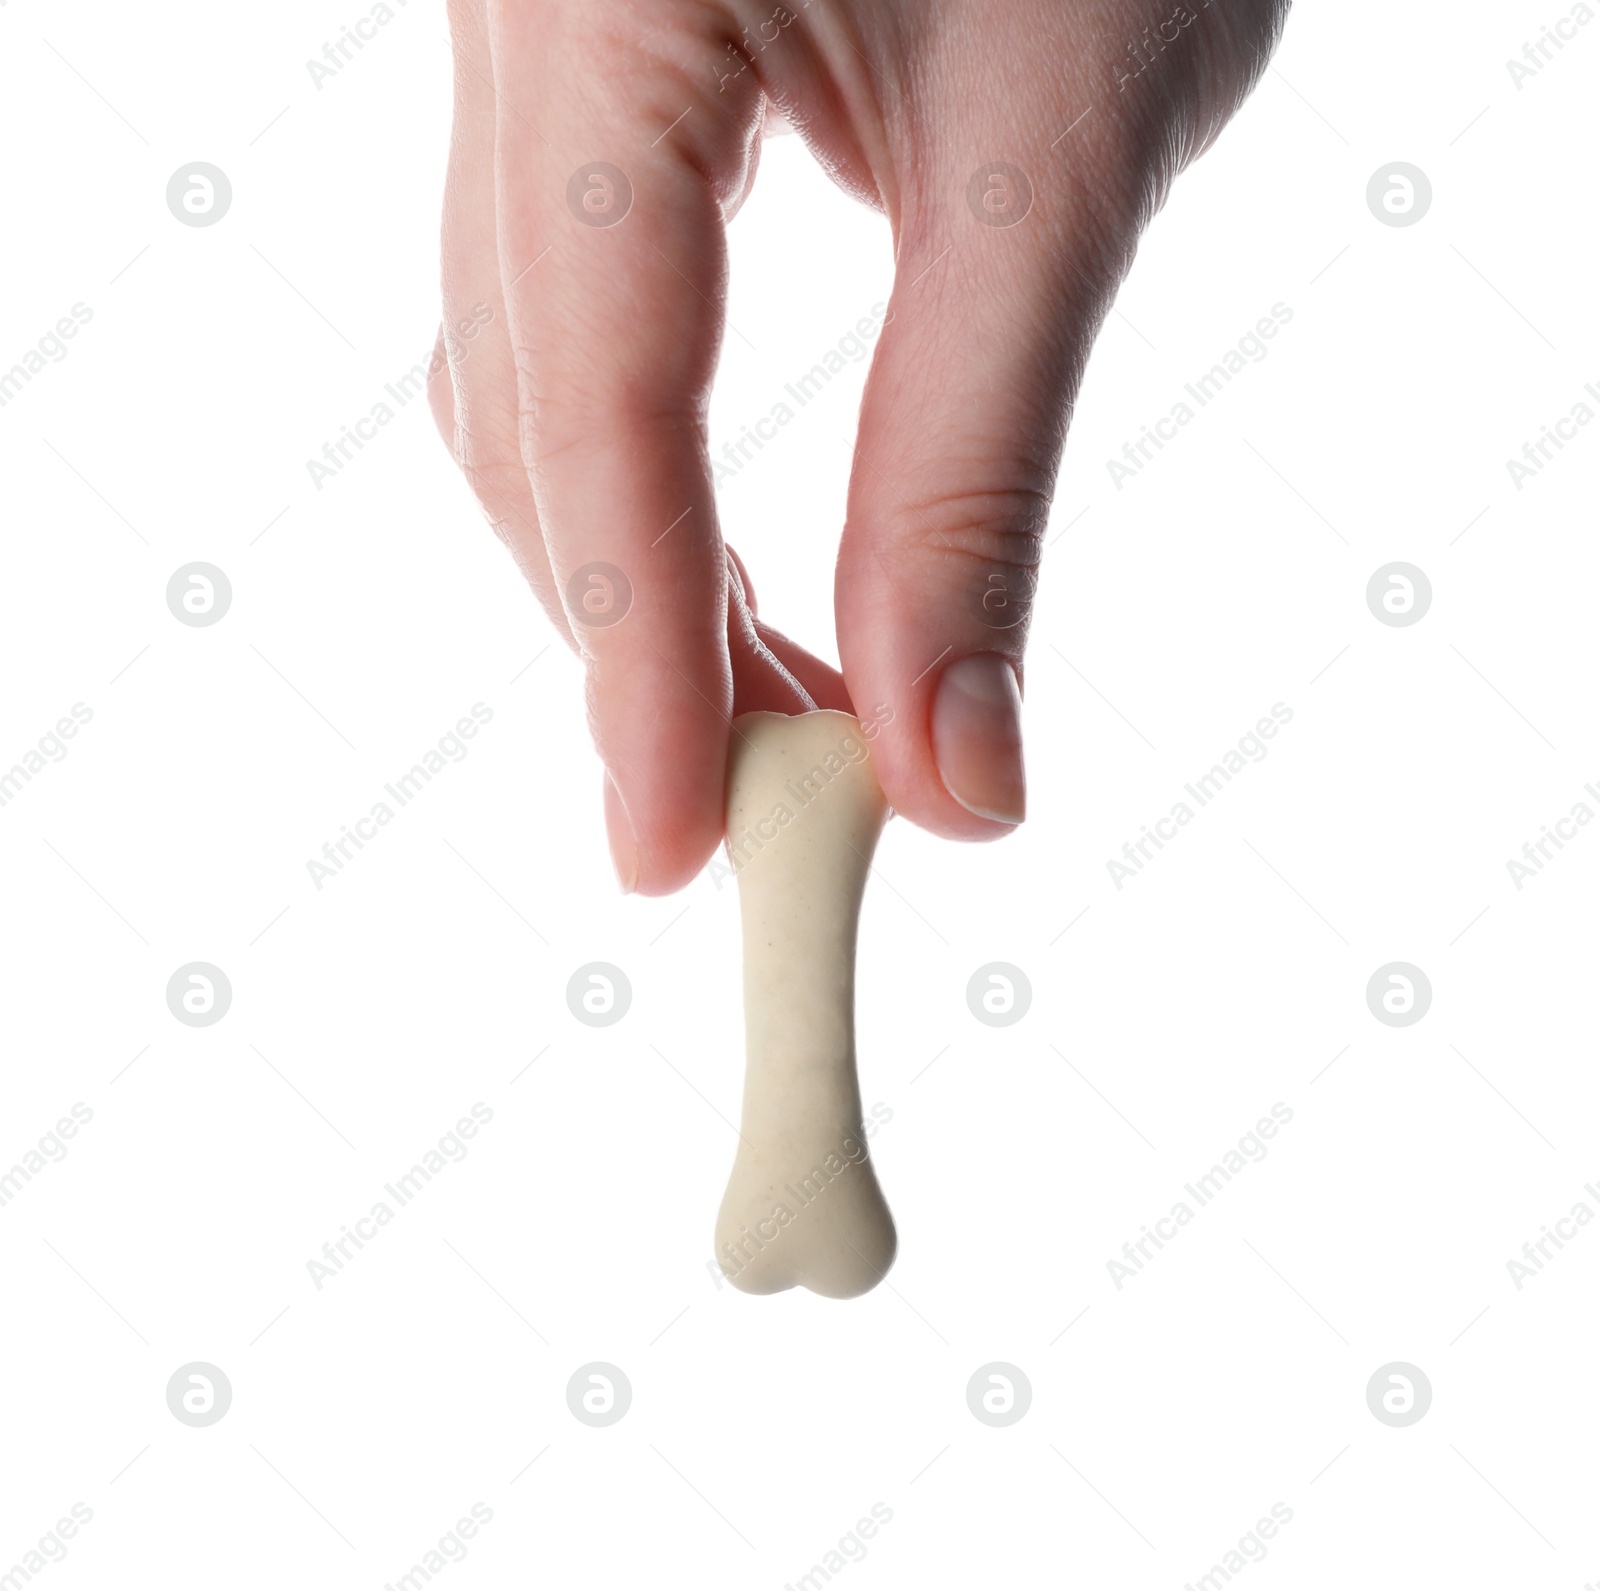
(624, 844)
(977, 737)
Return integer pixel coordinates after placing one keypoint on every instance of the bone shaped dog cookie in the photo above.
(803, 1206)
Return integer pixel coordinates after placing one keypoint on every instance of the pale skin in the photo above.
(578, 407)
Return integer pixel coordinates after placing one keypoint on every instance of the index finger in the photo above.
(613, 264)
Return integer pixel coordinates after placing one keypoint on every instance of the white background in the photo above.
(367, 617)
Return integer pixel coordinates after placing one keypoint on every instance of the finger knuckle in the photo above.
(1001, 525)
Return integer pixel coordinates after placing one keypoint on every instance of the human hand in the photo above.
(1018, 147)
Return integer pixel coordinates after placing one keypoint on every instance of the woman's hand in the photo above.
(1018, 147)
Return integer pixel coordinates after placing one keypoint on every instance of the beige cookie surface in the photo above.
(803, 1206)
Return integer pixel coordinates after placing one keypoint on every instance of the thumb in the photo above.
(1003, 275)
